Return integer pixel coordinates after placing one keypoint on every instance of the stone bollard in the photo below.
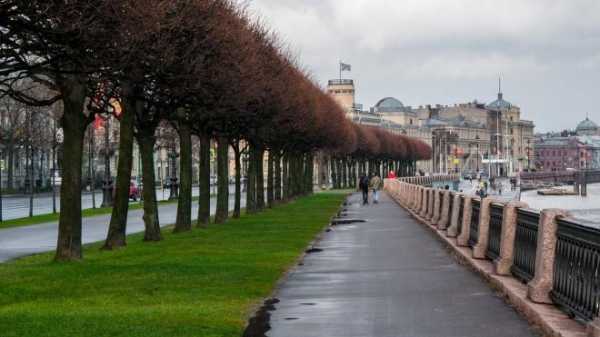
(538, 289)
(424, 202)
(463, 237)
(431, 201)
(420, 200)
(504, 261)
(435, 215)
(445, 211)
(483, 234)
(452, 231)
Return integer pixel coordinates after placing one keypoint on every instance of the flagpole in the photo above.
(340, 72)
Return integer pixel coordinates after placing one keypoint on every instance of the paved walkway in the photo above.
(388, 277)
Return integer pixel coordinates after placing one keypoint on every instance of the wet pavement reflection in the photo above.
(387, 277)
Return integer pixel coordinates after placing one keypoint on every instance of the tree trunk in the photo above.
(309, 169)
(222, 212)
(146, 141)
(277, 181)
(204, 182)
(270, 179)
(118, 221)
(251, 189)
(30, 176)
(340, 169)
(334, 182)
(238, 180)
(183, 222)
(344, 173)
(11, 164)
(285, 177)
(68, 246)
(260, 179)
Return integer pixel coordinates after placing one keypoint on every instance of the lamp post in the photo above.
(107, 188)
(174, 190)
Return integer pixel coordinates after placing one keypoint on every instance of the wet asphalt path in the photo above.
(22, 241)
(388, 277)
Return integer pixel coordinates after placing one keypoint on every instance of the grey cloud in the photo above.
(440, 51)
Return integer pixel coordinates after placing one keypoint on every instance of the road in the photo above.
(22, 241)
(388, 277)
(17, 206)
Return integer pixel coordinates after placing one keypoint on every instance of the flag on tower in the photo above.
(345, 67)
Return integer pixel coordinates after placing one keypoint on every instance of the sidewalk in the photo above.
(388, 277)
(21, 241)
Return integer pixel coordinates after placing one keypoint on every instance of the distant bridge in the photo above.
(579, 179)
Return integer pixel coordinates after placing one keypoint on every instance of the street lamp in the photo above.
(174, 190)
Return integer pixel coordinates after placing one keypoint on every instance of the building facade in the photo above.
(578, 149)
(464, 137)
(562, 153)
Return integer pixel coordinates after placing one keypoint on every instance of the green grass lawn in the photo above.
(201, 283)
(89, 212)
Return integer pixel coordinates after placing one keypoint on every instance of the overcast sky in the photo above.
(446, 52)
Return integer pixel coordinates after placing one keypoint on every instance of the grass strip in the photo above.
(200, 283)
(88, 212)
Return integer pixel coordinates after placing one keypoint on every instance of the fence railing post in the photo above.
(504, 262)
(453, 229)
(445, 212)
(483, 233)
(430, 201)
(424, 202)
(435, 215)
(540, 286)
(463, 237)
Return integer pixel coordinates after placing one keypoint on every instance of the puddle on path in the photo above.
(260, 323)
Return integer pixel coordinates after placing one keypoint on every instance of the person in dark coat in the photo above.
(363, 184)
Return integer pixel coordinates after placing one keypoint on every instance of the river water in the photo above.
(586, 209)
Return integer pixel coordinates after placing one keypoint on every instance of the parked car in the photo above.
(134, 191)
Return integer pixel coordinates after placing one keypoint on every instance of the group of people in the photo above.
(373, 183)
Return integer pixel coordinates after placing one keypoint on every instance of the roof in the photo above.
(459, 121)
(500, 103)
(389, 104)
(587, 124)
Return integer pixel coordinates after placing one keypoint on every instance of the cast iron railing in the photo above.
(577, 269)
(461, 209)
(495, 231)
(450, 205)
(523, 267)
(474, 230)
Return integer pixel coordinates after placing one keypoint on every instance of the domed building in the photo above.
(587, 128)
(393, 110)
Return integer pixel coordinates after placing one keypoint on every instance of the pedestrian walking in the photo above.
(363, 185)
(376, 183)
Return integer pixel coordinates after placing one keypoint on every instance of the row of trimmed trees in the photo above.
(204, 67)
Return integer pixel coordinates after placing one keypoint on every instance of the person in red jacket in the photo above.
(391, 175)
